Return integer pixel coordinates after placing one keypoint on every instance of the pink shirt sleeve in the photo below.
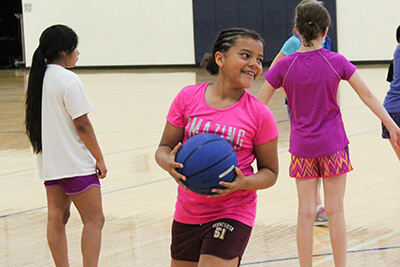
(267, 128)
(176, 112)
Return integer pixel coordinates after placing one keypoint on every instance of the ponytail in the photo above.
(33, 103)
(208, 63)
(53, 40)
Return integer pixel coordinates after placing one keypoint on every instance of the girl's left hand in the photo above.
(237, 184)
(395, 136)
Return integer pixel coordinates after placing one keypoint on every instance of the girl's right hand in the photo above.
(236, 184)
(173, 165)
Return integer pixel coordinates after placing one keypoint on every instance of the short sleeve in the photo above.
(267, 127)
(273, 75)
(175, 114)
(76, 101)
(348, 69)
(290, 46)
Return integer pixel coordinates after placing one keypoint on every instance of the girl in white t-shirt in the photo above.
(69, 157)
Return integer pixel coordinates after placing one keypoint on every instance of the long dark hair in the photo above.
(224, 41)
(53, 40)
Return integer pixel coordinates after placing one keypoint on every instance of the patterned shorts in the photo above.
(335, 164)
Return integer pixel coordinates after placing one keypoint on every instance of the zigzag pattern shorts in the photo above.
(335, 164)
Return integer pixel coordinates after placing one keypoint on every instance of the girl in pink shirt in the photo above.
(318, 141)
(214, 230)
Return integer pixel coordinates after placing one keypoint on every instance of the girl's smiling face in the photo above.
(242, 64)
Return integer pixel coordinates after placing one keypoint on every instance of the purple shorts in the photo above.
(75, 185)
(224, 238)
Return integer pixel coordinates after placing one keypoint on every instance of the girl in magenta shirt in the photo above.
(318, 141)
(214, 230)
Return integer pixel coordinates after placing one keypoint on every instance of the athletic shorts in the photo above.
(396, 118)
(75, 185)
(223, 238)
(332, 165)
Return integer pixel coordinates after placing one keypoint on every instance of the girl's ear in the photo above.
(326, 31)
(62, 54)
(219, 59)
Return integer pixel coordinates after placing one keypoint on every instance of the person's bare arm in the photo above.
(86, 133)
(376, 107)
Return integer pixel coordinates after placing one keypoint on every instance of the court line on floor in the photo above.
(359, 246)
(328, 256)
(148, 146)
(104, 193)
(319, 255)
(105, 155)
(21, 212)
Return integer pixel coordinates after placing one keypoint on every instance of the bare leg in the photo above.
(213, 261)
(175, 263)
(206, 261)
(307, 193)
(334, 188)
(58, 213)
(89, 205)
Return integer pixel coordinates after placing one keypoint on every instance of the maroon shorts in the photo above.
(75, 185)
(224, 238)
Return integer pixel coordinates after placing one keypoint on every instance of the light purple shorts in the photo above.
(75, 185)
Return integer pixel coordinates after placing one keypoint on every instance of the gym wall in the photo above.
(164, 32)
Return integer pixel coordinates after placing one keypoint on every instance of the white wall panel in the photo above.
(119, 32)
(367, 28)
(160, 32)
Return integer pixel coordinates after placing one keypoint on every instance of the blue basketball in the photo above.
(207, 159)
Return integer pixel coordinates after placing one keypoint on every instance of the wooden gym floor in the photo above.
(139, 197)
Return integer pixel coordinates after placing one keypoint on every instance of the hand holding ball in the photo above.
(207, 160)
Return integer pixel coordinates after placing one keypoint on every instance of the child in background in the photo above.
(69, 158)
(224, 108)
(318, 141)
(293, 44)
(392, 99)
(389, 77)
(289, 47)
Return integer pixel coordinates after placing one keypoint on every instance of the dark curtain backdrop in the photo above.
(272, 19)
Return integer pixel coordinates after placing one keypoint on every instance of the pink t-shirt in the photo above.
(311, 82)
(245, 124)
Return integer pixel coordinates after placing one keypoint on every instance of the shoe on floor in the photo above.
(321, 219)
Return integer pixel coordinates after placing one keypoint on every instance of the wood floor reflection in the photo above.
(139, 197)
